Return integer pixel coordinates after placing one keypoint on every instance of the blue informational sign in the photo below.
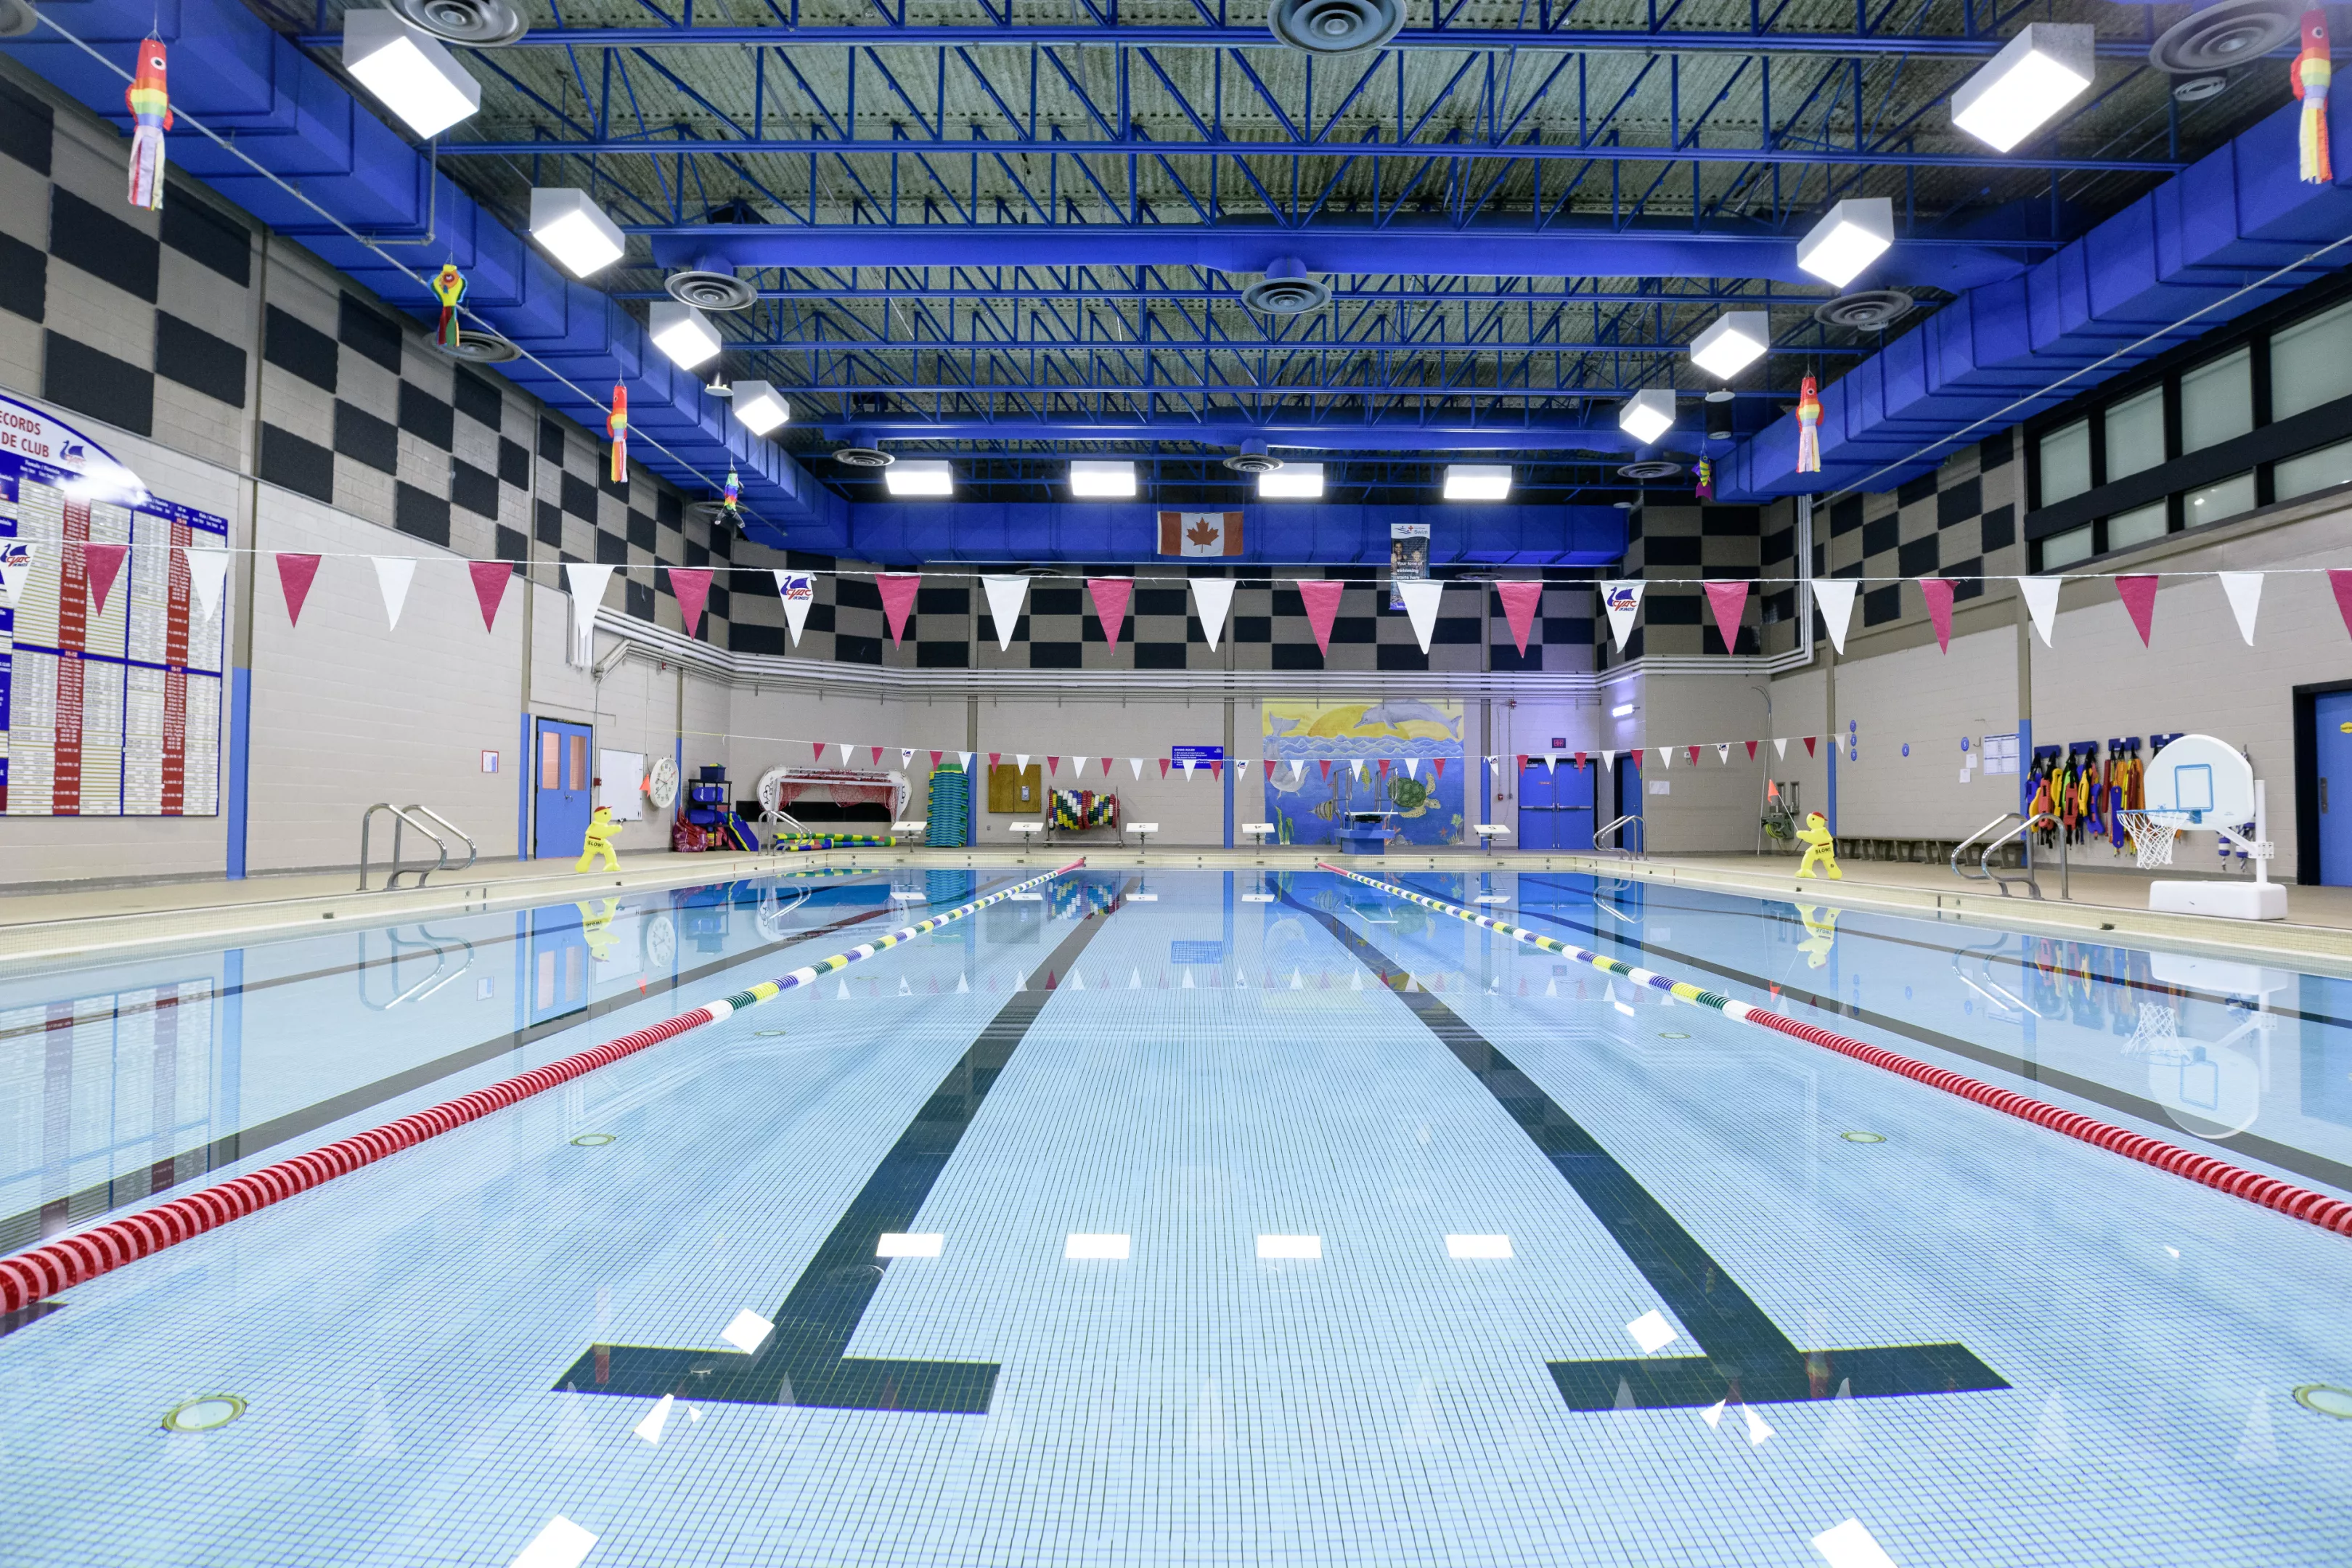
(1196, 753)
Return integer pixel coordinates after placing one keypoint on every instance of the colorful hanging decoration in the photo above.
(616, 426)
(730, 500)
(149, 102)
(1706, 480)
(2308, 75)
(1809, 427)
(449, 287)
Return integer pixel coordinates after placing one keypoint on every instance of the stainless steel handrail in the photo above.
(1618, 828)
(2027, 822)
(472, 854)
(400, 817)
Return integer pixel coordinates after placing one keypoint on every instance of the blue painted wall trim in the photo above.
(1231, 769)
(522, 794)
(240, 753)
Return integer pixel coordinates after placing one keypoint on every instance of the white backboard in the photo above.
(2204, 778)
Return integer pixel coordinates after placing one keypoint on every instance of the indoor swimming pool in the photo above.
(1158, 1216)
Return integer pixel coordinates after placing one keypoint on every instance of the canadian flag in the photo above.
(1199, 533)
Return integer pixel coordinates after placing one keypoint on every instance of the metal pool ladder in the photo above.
(1632, 818)
(2026, 823)
(402, 818)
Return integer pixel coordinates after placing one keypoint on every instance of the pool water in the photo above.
(1182, 1217)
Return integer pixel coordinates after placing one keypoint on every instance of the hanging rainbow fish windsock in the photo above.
(449, 287)
(731, 500)
(2309, 76)
(1706, 480)
(1809, 427)
(149, 102)
(616, 426)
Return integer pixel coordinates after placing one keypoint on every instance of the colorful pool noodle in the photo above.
(76, 1260)
(2296, 1203)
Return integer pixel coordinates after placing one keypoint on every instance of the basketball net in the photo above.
(2157, 1036)
(2152, 835)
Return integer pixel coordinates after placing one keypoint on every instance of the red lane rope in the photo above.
(2296, 1203)
(76, 1260)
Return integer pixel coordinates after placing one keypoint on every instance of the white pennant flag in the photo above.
(1412, 767)
(798, 590)
(1833, 596)
(1781, 747)
(1187, 767)
(16, 569)
(393, 575)
(1136, 763)
(906, 756)
(1551, 762)
(1666, 757)
(1077, 767)
(2041, 598)
(1608, 758)
(1421, 599)
(964, 758)
(208, 573)
(1021, 759)
(1241, 766)
(1214, 597)
(1356, 766)
(1298, 769)
(2245, 591)
(1004, 597)
(1723, 751)
(587, 583)
(1623, 602)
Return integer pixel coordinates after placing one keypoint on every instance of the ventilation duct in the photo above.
(17, 18)
(711, 285)
(863, 456)
(1867, 311)
(2224, 34)
(1253, 459)
(1287, 289)
(480, 24)
(1335, 27)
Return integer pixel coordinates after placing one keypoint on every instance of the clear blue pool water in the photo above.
(1405, 1209)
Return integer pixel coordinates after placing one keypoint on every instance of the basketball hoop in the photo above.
(2152, 834)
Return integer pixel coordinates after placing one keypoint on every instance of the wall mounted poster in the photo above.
(110, 691)
(1306, 804)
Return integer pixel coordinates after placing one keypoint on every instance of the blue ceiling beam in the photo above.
(1275, 534)
(1226, 427)
(2003, 351)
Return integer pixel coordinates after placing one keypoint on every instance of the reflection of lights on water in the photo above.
(592, 1140)
(1861, 1137)
(2325, 1399)
(208, 1413)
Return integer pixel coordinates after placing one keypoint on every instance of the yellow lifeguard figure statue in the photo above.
(1820, 844)
(601, 827)
(1821, 933)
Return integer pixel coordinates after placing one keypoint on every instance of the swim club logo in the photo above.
(16, 567)
(1623, 602)
(798, 592)
(45, 450)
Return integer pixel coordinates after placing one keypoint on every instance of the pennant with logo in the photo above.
(16, 569)
(1199, 533)
(798, 590)
(1723, 751)
(907, 757)
(1214, 597)
(1833, 596)
(393, 575)
(1622, 601)
(1004, 599)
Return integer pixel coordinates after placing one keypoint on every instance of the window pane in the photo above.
(579, 761)
(2136, 433)
(550, 760)
(2311, 363)
(2066, 462)
(2066, 549)
(2224, 498)
(2314, 471)
(2217, 402)
(2137, 526)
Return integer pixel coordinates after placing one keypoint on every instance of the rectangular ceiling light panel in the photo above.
(920, 477)
(1850, 237)
(1735, 340)
(684, 333)
(1103, 479)
(1646, 415)
(760, 406)
(2037, 73)
(1292, 482)
(1477, 481)
(575, 229)
(409, 70)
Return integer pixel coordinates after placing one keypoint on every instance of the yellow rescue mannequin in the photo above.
(1821, 933)
(1820, 846)
(601, 827)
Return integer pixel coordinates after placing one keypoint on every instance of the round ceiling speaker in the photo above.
(16, 19)
(1253, 458)
(1287, 289)
(708, 512)
(1651, 468)
(2198, 89)
(480, 347)
(484, 24)
(710, 290)
(1335, 27)
(1870, 311)
(863, 456)
(2224, 33)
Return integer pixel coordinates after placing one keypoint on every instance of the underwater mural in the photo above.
(1306, 803)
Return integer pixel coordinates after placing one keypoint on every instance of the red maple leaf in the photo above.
(1203, 532)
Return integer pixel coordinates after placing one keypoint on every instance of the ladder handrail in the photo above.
(472, 854)
(2027, 823)
(1618, 828)
(399, 818)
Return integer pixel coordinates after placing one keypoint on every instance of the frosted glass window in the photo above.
(2217, 401)
(2223, 497)
(2314, 471)
(2138, 526)
(2136, 433)
(2066, 549)
(2311, 363)
(2065, 462)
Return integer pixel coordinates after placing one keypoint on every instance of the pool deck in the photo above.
(62, 922)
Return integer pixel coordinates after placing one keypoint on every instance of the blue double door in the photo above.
(2333, 716)
(565, 789)
(1556, 807)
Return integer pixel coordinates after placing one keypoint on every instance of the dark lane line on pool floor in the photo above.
(1747, 1358)
(2285, 1156)
(803, 1359)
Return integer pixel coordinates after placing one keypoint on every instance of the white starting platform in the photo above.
(2201, 784)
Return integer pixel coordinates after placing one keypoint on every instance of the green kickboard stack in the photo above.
(951, 814)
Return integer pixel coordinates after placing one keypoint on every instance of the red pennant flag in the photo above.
(101, 564)
(1808, 745)
(1523, 761)
(1110, 595)
(692, 587)
(490, 578)
(1106, 762)
(1751, 751)
(1579, 762)
(1519, 604)
(818, 747)
(1216, 770)
(878, 756)
(1163, 770)
(1321, 596)
(1729, 601)
(935, 758)
(898, 599)
(1384, 767)
(1327, 762)
(992, 756)
(2339, 580)
(2138, 594)
(1693, 755)
(1938, 592)
(1437, 767)
(294, 576)
(1053, 765)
